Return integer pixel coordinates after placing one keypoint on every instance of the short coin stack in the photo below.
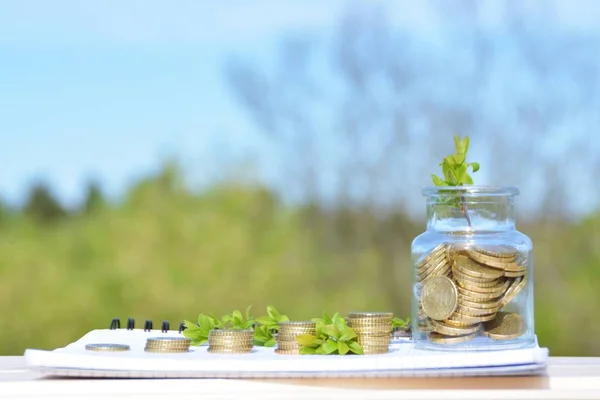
(167, 345)
(373, 330)
(462, 287)
(286, 337)
(230, 341)
(110, 347)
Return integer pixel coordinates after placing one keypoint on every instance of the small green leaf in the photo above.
(329, 346)
(356, 348)
(268, 321)
(348, 334)
(248, 315)
(283, 318)
(207, 323)
(343, 348)
(272, 312)
(237, 317)
(307, 350)
(467, 179)
(331, 330)
(437, 181)
(465, 145)
(306, 339)
(475, 166)
(189, 325)
(460, 172)
(271, 342)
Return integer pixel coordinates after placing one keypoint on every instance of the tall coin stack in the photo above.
(230, 341)
(167, 345)
(462, 289)
(373, 330)
(286, 337)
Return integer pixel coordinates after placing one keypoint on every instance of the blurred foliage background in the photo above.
(351, 145)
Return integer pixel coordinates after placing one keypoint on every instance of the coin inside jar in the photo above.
(439, 297)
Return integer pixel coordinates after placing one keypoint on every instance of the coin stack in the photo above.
(373, 330)
(110, 347)
(167, 345)
(230, 341)
(286, 337)
(461, 287)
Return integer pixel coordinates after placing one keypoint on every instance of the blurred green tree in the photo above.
(94, 199)
(42, 206)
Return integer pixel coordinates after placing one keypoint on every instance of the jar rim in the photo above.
(472, 190)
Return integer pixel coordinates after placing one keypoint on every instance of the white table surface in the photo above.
(566, 378)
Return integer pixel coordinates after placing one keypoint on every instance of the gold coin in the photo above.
(477, 297)
(456, 274)
(438, 265)
(285, 346)
(150, 350)
(505, 326)
(474, 312)
(231, 332)
(106, 347)
(497, 251)
(228, 351)
(469, 283)
(439, 297)
(514, 289)
(451, 330)
(298, 324)
(459, 317)
(518, 274)
(443, 339)
(459, 324)
(440, 249)
(497, 290)
(491, 305)
(287, 352)
(369, 322)
(469, 267)
(170, 346)
(493, 262)
(371, 314)
(291, 338)
(499, 287)
(442, 269)
(168, 339)
(295, 331)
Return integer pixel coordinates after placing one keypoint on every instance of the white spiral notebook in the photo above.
(402, 360)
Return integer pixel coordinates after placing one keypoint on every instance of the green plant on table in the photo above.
(332, 336)
(198, 332)
(266, 326)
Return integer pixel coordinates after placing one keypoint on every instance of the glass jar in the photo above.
(472, 272)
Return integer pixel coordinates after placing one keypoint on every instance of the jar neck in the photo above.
(457, 213)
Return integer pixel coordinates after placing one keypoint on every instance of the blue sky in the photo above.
(105, 90)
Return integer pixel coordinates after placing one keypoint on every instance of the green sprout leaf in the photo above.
(455, 171)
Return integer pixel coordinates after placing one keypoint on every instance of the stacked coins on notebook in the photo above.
(373, 330)
(230, 341)
(167, 345)
(286, 337)
(112, 347)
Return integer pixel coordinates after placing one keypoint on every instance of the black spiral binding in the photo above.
(165, 326)
(148, 325)
(115, 324)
